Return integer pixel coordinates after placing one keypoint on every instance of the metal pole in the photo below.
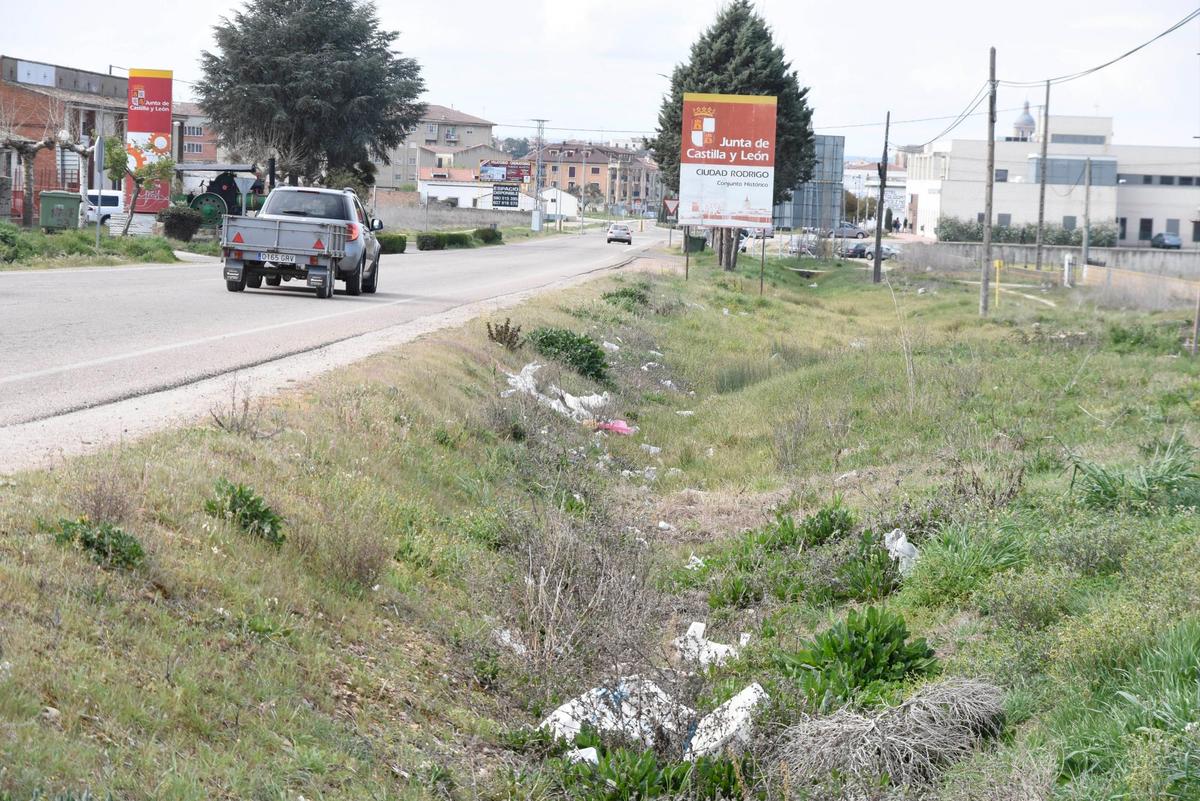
(99, 182)
(1042, 182)
(762, 264)
(877, 274)
(1087, 208)
(687, 251)
(1196, 323)
(986, 272)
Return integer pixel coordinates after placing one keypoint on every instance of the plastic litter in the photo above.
(693, 646)
(583, 755)
(694, 563)
(510, 641)
(635, 707)
(653, 450)
(685, 413)
(617, 427)
(578, 408)
(654, 353)
(611, 347)
(663, 525)
(900, 549)
(648, 366)
(729, 724)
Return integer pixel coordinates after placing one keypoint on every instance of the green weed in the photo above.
(247, 510)
(578, 351)
(107, 544)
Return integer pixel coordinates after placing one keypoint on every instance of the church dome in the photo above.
(1025, 125)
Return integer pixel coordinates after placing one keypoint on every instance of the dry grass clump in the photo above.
(909, 744)
(103, 494)
(1016, 775)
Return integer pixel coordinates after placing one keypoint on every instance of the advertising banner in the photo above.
(727, 160)
(148, 135)
(504, 171)
(505, 196)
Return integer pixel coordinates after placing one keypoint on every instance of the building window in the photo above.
(1166, 180)
(1069, 222)
(570, 184)
(193, 147)
(1173, 227)
(1076, 139)
(979, 218)
(571, 172)
(1196, 231)
(1186, 180)
(595, 170)
(1001, 176)
(412, 160)
(1122, 228)
(1145, 229)
(470, 131)
(1147, 179)
(193, 130)
(451, 133)
(553, 168)
(431, 128)
(1003, 220)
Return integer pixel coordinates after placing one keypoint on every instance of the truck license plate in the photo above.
(278, 258)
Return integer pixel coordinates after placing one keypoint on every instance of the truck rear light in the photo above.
(312, 259)
(237, 254)
(351, 232)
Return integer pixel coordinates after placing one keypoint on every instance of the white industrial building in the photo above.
(1139, 190)
(861, 179)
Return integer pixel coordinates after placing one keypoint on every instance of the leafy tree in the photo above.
(319, 75)
(116, 162)
(738, 55)
(517, 148)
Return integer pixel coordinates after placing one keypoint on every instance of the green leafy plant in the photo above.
(457, 239)
(578, 351)
(872, 575)
(247, 510)
(1138, 337)
(489, 236)
(1168, 480)
(629, 298)
(108, 545)
(857, 659)
(180, 222)
(392, 243)
(431, 240)
(957, 561)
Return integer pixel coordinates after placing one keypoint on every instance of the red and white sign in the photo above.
(671, 206)
(727, 160)
(148, 134)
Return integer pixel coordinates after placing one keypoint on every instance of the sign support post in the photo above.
(99, 185)
(762, 264)
(687, 251)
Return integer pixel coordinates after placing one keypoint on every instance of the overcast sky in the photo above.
(596, 64)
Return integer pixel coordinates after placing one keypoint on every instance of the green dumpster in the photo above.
(694, 244)
(59, 210)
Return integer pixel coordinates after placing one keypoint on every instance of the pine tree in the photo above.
(738, 55)
(314, 81)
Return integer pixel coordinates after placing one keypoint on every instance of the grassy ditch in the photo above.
(318, 595)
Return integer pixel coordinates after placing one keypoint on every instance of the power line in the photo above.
(906, 122)
(972, 104)
(1083, 73)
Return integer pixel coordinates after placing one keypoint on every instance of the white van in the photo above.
(111, 201)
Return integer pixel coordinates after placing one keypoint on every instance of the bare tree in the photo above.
(293, 158)
(54, 132)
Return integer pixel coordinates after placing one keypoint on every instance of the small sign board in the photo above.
(505, 196)
(672, 207)
(504, 171)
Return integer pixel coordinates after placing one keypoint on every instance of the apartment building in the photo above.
(445, 138)
(198, 143)
(602, 174)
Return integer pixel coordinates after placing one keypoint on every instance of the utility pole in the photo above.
(1087, 208)
(1042, 182)
(537, 176)
(985, 272)
(877, 275)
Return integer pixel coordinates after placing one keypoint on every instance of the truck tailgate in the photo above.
(300, 237)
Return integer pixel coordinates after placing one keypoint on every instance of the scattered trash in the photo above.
(921, 291)
(635, 707)
(617, 427)
(727, 725)
(654, 353)
(711, 452)
(853, 474)
(653, 450)
(668, 383)
(694, 563)
(663, 525)
(648, 366)
(5, 670)
(900, 549)
(510, 641)
(583, 755)
(693, 646)
(725, 312)
(812, 286)
(610, 346)
(685, 413)
(674, 471)
(857, 343)
(578, 408)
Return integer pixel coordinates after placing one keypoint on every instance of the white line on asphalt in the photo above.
(66, 368)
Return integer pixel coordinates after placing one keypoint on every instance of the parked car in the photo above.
(307, 234)
(885, 252)
(1168, 241)
(853, 250)
(619, 232)
(847, 230)
(106, 204)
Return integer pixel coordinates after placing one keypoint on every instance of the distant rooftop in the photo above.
(436, 113)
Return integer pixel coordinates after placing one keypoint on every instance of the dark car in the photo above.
(854, 250)
(1169, 241)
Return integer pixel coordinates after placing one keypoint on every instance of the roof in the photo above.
(70, 96)
(188, 109)
(462, 174)
(436, 113)
(460, 149)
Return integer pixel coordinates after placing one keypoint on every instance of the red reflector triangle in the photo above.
(318, 245)
(237, 238)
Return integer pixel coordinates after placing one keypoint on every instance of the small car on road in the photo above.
(853, 250)
(847, 230)
(1166, 240)
(885, 252)
(619, 232)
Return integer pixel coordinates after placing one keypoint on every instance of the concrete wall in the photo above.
(966, 255)
(442, 218)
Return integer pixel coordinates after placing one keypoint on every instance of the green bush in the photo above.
(459, 240)
(180, 222)
(857, 659)
(1097, 548)
(951, 229)
(1137, 337)
(1028, 600)
(431, 240)
(832, 521)
(247, 510)
(957, 562)
(489, 236)
(872, 575)
(19, 245)
(629, 298)
(578, 351)
(1167, 481)
(392, 243)
(108, 545)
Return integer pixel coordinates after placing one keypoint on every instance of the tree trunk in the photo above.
(137, 190)
(27, 159)
(734, 241)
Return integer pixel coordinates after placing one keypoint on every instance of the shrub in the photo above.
(180, 222)
(431, 240)
(857, 659)
(392, 243)
(578, 351)
(489, 236)
(832, 521)
(247, 510)
(737, 589)
(629, 298)
(1138, 337)
(459, 240)
(1095, 550)
(957, 562)
(505, 334)
(1167, 481)
(872, 575)
(108, 545)
(1107, 638)
(1029, 600)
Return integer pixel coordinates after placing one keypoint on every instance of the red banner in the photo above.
(148, 135)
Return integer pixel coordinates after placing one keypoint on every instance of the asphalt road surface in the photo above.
(80, 338)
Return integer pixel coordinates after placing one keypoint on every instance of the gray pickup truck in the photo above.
(303, 234)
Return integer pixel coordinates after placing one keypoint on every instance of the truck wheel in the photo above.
(274, 280)
(254, 282)
(236, 286)
(354, 281)
(327, 290)
(371, 284)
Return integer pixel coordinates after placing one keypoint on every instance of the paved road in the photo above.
(75, 339)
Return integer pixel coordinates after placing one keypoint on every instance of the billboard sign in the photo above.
(148, 134)
(727, 160)
(504, 171)
(505, 196)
